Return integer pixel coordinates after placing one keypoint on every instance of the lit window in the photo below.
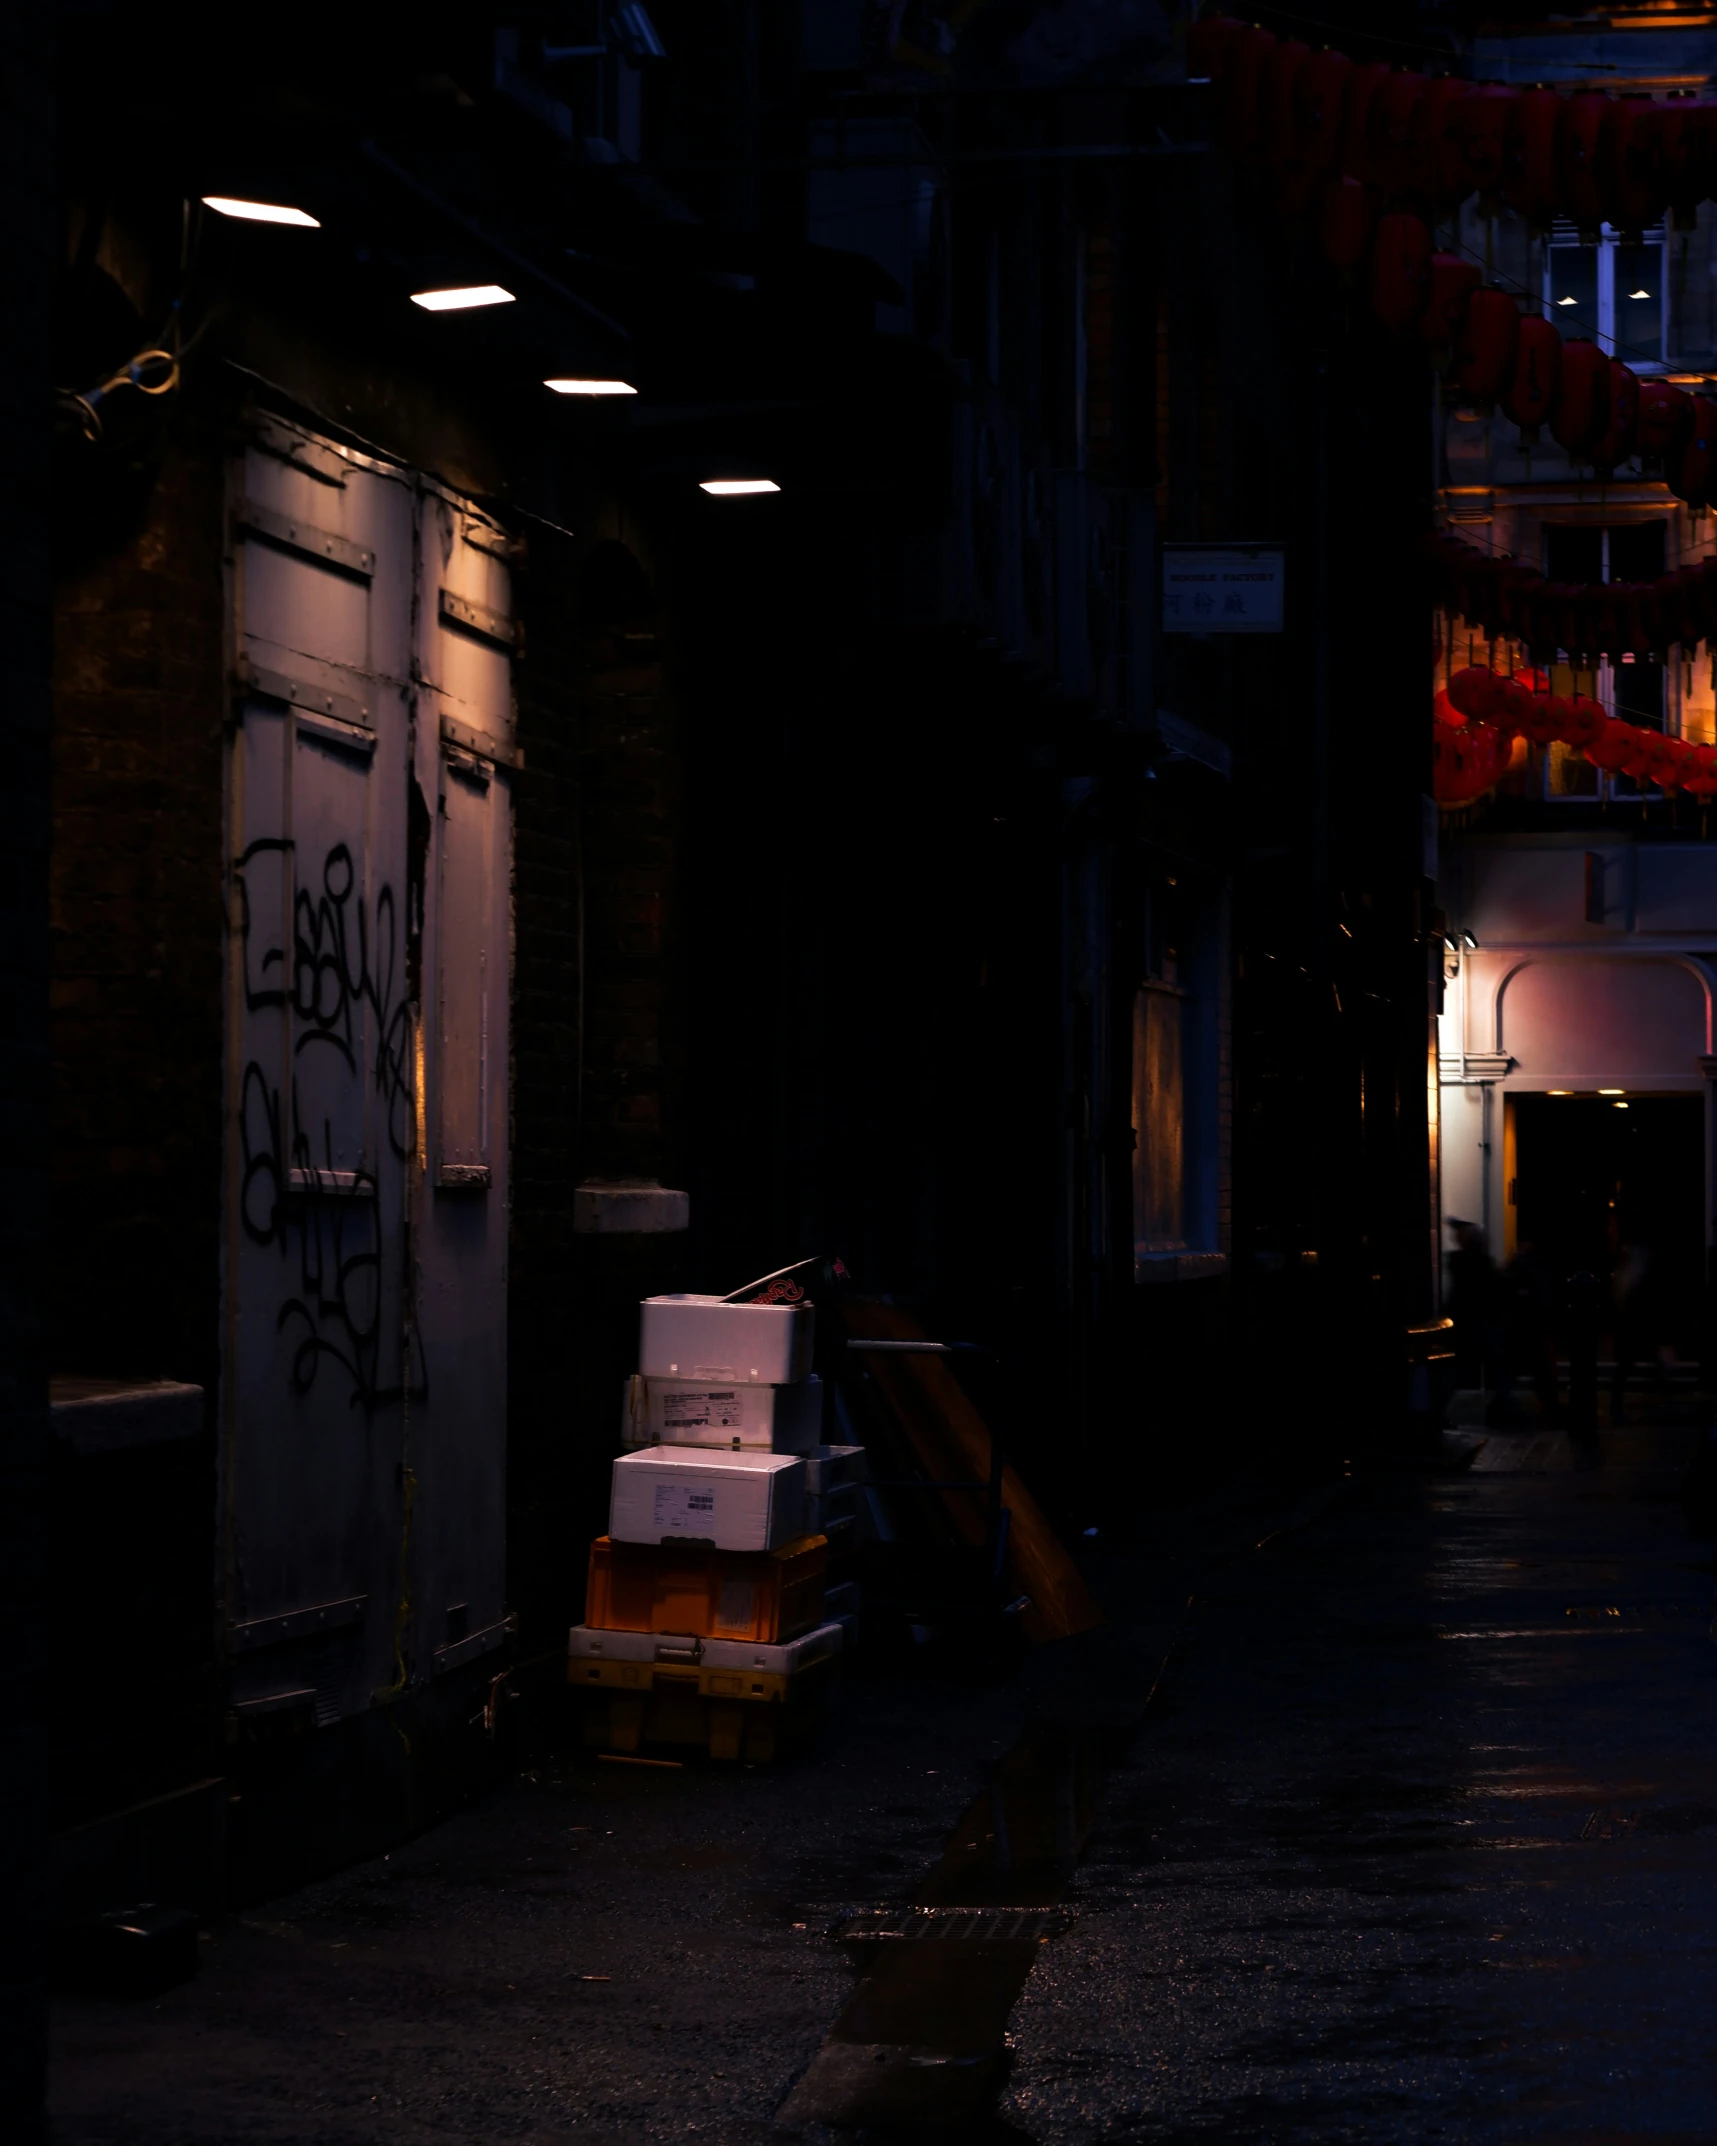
(1611, 289)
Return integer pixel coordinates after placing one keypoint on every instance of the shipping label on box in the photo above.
(692, 1412)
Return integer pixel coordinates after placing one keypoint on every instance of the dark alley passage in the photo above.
(1415, 1841)
(1420, 1841)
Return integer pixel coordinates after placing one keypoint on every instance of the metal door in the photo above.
(464, 746)
(351, 1413)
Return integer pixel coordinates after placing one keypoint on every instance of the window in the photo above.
(1179, 1225)
(1614, 290)
(1634, 687)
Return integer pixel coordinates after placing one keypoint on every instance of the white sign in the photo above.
(1222, 588)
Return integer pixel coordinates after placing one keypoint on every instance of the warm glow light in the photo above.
(591, 387)
(1567, 301)
(737, 487)
(260, 212)
(1618, 1106)
(1561, 1091)
(1639, 294)
(475, 294)
(1612, 1091)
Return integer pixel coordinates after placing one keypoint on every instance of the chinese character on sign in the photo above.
(1209, 588)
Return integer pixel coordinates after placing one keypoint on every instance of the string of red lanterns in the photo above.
(1320, 119)
(1377, 154)
(1505, 600)
(1374, 155)
(1481, 712)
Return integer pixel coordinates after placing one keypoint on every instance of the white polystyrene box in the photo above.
(784, 1658)
(738, 1501)
(692, 1412)
(708, 1338)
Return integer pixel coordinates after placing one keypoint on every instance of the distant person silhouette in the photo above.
(1529, 1313)
(1475, 1303)
(1640, 1287)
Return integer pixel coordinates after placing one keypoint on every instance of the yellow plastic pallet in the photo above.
(721, 1711)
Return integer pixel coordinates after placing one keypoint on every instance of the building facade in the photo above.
(1575, 1043)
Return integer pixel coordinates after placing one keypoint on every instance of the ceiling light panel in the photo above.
(462, 300)
(260, 212)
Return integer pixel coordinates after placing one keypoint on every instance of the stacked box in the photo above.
(704, 1617)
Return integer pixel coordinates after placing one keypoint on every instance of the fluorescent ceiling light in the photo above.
(1639, 294)
(737, 487)
(473, 294)
(591, 387)
(1567, 301)
(1612, 1091)
(260, 212)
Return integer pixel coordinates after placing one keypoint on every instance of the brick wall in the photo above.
(136, 935)
(134, 1248)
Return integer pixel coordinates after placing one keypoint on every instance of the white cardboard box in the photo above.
(692, 1412)
(708, 1338)
(738, 1501)
(783, 1658)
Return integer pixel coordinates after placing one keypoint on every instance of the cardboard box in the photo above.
(707, 1338)
(688, 1587)
(737, 1416)
(733, 1501)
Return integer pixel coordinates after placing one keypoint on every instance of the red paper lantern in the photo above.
(1692, 474)
(1529, 176)
(1484, 350)
(1210, 44)
(1700, 780)
(1665, 419)
(1512, 705)
(1400, 271)
(1444, 711)
(1653, 758)
(1481, 124)
(1436, 149)
(1583, 719)
(1537, 380)
(1453, 282)
(1280, 72)
(1320, 102)
(1627, 176)
(1245, 90)
(1612, 745)
(1544, 719)
(1583, 402)
(1344, 223)
(1394, 106)
(1471, 692)
(1681, 136)
(1577, 133)
(1354, 158)
(1680, 763)
(1621, 422)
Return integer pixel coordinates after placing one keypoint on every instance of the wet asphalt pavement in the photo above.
(1415, 1839)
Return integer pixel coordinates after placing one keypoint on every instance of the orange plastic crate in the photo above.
(766, 1595)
